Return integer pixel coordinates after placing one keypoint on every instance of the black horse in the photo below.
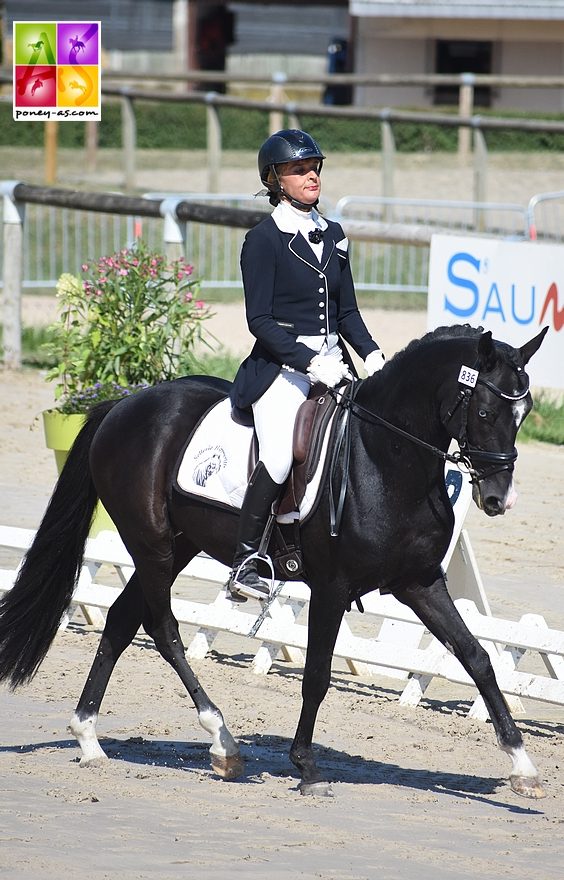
(453, 383)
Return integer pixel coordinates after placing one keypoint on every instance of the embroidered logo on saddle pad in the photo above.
(219, 457)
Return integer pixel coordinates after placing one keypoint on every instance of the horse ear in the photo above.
(532, 346)
(486, 352)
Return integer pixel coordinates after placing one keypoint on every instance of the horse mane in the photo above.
(455, 331)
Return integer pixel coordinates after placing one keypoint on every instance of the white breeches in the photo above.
(275, 413)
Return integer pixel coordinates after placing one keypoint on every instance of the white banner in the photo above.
(512, 288)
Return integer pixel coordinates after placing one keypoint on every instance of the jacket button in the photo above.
(322, 317)
(320, 275)
(321, 305)
(321, 290)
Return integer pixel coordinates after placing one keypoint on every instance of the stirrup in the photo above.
(240, 591)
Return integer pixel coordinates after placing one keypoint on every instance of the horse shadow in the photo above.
(267, 756)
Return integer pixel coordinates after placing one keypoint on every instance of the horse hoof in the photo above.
(228, 766)
(92, 763)
(527, 786)
(316, 789)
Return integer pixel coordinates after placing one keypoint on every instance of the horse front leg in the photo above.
(324, 619)
(436, 610)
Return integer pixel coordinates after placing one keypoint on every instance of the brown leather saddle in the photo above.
(313, 420)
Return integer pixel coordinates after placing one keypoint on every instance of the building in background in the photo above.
(514, 37)
(507, 37)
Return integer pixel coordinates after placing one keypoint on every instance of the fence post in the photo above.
(480, 175)
(213, 129)
(277, 96)
(293, 119)
(12, 271)
(465, 108)
(388, 156)
(129, 140)
(91, 144)
(174, 230)
(50, 139)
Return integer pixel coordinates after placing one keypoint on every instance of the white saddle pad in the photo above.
(215, 462)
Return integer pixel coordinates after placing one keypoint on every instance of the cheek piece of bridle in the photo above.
(471, 455)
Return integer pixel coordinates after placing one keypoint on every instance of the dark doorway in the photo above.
(463, 56)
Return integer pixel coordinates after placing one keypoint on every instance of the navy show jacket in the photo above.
(290, 293)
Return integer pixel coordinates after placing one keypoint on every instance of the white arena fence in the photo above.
(397, 646)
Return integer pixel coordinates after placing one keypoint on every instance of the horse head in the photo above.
(494, 400)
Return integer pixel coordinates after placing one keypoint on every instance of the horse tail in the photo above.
(32, 610)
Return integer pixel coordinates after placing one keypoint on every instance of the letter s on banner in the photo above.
(463, 283)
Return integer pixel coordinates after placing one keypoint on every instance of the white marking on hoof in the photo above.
(524, 776)
(522, 764)
(226, 759)
(316, 789)
(85, 733)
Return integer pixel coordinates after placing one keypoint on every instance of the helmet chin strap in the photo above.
(295, 203)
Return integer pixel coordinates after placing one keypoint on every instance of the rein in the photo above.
(367, 415)
(464, 457)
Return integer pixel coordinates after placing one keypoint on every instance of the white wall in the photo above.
(407, 46)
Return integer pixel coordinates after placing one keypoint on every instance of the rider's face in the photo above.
(300, 180)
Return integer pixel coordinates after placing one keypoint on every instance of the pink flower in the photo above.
(84, 267)
(200, 304)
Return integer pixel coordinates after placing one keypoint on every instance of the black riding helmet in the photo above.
(287, 145)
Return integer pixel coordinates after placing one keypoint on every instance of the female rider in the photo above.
(300, 301)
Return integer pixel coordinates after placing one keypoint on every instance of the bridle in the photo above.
(466, 456)
(499, 461)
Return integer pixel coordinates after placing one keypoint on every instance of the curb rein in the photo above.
(463, 458)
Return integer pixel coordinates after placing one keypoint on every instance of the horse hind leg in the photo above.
(436, 610)
(122, 624)
(160, 623)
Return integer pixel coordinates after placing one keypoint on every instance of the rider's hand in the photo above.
(327, 370)
(374, 362)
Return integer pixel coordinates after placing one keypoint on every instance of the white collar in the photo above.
(290, 219)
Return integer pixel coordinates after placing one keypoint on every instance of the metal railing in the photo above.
(59, 239)
(545, 216)
(49, 231)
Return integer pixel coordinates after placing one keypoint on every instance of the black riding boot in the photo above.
(261, 493)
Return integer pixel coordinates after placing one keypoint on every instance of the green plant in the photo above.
(546, 421)
(129, 321)
(223, 364)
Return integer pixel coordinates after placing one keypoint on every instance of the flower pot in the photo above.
(60, 432)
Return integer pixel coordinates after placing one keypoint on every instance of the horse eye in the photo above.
(483, 413)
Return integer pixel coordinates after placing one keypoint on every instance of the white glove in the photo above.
(374, 361)
(327, 370)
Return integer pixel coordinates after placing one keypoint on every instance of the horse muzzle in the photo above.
(490, 500)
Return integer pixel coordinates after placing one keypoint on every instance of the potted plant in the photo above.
(129, 321)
